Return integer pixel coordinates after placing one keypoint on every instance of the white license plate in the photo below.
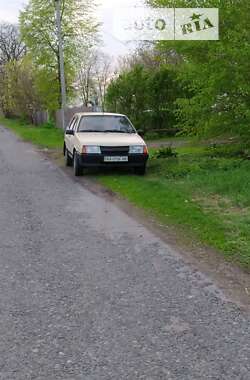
(116, 159)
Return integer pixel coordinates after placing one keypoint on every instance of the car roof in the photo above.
(98, 114)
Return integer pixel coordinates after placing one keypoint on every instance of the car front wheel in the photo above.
(77, 167)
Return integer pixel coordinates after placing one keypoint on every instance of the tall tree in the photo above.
(38, 28)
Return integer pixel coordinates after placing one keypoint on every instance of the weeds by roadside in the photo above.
(164, 152)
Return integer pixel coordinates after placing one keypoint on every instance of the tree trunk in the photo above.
(59, 80)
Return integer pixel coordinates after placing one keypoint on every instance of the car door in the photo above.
(70, 138)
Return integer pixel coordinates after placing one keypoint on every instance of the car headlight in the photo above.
(136, 149)
(91, 149)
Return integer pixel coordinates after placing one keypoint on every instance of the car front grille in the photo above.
(115, 150)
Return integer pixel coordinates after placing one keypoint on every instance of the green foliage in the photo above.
(165, 152)
(206, 92)
(146, 95)
(216, 73)
(38, 30)
(48, 88)
(126, 94)
(163, 90)
(19, 95)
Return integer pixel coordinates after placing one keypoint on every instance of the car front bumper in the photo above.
(97, 160)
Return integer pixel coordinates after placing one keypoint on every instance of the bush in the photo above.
(165, 152)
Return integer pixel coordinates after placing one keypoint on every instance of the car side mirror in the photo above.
(141, 132)
(69, 132)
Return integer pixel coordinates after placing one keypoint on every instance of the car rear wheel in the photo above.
(140, 170)
(68, 159)
(77, 167)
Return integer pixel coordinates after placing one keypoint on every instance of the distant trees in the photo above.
(147, 95)
(85, 78)
(12, 47)
(102, 76)
(93, 77)
(18, 96)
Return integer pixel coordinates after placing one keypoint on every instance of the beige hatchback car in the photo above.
(103, 139)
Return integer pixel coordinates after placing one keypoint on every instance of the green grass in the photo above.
(206, 198)
(44, 136)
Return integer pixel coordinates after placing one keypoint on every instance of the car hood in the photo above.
(109, 139)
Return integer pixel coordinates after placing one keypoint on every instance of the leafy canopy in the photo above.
(215, 72)
(38, 30)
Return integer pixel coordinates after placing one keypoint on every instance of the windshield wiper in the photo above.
(113, 131)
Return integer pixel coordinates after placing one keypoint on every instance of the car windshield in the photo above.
(106, 123)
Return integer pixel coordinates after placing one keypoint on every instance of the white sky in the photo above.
(9, 12)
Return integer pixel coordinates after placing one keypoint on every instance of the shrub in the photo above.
(165, 152)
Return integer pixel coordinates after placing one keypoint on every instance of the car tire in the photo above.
(68, 159)
(140, 170)
(78, 171)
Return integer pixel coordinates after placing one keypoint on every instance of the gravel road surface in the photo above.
(88, 293)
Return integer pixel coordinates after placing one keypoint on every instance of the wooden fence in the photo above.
(69, 113)
(40, 117)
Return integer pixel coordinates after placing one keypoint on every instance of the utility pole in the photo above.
(61, 60)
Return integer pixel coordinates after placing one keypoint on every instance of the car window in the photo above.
(105, 123)
(75, 124)
(71, 124)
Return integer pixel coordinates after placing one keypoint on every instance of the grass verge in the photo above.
(44, 136)
(205, 196)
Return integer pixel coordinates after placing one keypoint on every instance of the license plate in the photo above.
(116, 159)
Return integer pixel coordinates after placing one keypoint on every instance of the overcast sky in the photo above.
(9, 12)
